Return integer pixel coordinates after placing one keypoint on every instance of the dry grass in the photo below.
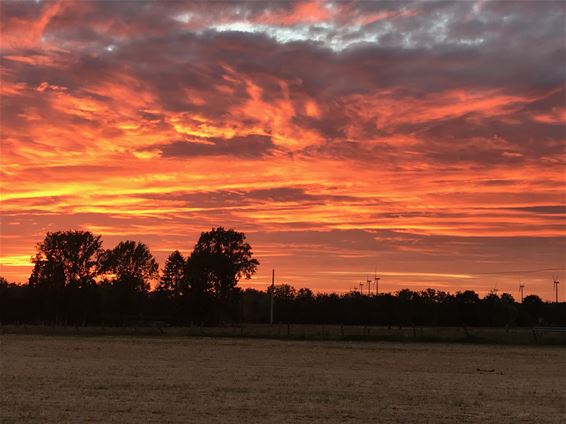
(54, 379)
(478, 335)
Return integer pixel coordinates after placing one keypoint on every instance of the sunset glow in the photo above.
(424, 141)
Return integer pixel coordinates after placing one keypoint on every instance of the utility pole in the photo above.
(521, 287)
(272, 296)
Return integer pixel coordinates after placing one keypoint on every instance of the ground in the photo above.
(129, 379)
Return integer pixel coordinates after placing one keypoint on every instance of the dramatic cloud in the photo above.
(422, 138)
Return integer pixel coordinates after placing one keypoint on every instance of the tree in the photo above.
(533, 308)
(305, 302)
(467, 302)
(284, 295)
(131, 264)
(173, 278)
(63, 277)
(497, 310)
(15, 305)
(67, 258)
(219, 260)
(3, 283)
(406, 301)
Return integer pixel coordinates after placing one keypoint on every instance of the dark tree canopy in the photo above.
(3, 282)
(284, 292)
(219, 260)
(64, 288)
(67, 258)
(131, 262)
(173, 279)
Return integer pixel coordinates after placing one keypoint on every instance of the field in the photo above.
(477, 335)
(78, 378)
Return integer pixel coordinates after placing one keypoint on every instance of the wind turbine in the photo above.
(555, 287)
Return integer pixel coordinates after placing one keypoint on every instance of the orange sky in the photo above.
(424, 140)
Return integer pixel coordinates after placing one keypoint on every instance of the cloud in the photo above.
(248, 146)
(396, 131)
(559, 210)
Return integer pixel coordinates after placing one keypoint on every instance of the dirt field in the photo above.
(72, 379)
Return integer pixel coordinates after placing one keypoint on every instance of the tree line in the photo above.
(75, 281)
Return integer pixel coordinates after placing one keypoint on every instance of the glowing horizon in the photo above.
(421, 140)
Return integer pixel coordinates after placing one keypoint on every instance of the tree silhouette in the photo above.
(219, 260)
(131, 264)
(64, 288)
(285, 296)
(63, 277)
(305, 302)
(533, 307)
(67, 258)
(171, 296)
(173, 278)
(3, 283)
(467, 302)
(405, 306)
(128, 267)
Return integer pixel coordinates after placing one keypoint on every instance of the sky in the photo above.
(422, 140)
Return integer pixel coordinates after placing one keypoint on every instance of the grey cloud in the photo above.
(221, 198)
(544, 210)
(403, 247)
(255, 146)
(175, 61)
